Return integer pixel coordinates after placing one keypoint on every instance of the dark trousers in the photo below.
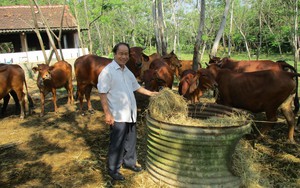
(122, 146)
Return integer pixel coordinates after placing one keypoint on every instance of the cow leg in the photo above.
(271, 117)
(69, 89)
(42, 96)
(88, 90)
(54, 99)
(5, 103)
(289, 115)
(17, 104)
(21, 96)
(80, 95)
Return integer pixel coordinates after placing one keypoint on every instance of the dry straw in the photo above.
(170, 107)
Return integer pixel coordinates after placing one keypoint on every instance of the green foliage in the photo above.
(112, 21)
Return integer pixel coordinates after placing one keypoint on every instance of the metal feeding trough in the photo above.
(194, 156)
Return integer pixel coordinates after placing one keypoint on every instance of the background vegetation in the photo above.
(267, 25)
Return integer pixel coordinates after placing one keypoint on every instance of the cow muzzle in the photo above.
(47, 76)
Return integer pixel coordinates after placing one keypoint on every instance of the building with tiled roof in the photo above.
(17, 27)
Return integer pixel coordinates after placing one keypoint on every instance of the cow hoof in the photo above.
(91, 111)
(289, 141)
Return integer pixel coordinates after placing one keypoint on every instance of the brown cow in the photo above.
(185, 65)
(12, 80)
(171, 59)
(51, 78)
(163, 75)
(150, 79)
(146, 64)
(187, 86)
(261, 91)
(250, 65)
(88, 67)
(136, 60)
(256, 65)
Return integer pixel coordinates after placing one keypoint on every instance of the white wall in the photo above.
(37, 56)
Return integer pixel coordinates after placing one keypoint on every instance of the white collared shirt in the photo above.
(119, 85)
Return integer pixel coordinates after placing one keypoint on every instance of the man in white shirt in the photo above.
(116, 85)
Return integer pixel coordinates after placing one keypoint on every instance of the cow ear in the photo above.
(34, 69)
(51, 68)
(146, 58)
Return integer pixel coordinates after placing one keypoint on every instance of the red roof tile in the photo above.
(19, 18)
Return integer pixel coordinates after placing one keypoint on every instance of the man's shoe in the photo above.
(133, 168)
(117, 176)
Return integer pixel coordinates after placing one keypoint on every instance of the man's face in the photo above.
(122, 55)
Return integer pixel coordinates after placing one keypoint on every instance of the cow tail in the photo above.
(26, 97)
(286, 65)
(76, 94)
(296, 99)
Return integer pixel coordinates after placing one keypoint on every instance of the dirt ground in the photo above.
(66, 149)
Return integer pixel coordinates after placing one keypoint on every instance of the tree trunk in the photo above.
(60, 31)
(157, 11)
(295, 42)
(156, 30)
(161, 28)
(78, 28)
(88, 26)
(230, 30)
(47, 27)
(38, 34)
(221, 29)
(176, 33)
(260, 30)
(196, 58)
(246, 43)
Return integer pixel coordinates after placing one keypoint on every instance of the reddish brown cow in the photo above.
(163, 75)
(146, 64)
(185, 65)
(261, 91)
(51, 78)
(87, 68)
(251, 65)
(256, 65)
(187, 86)
(171, 59)
(136, 60)
(150, 79)
(12, 80)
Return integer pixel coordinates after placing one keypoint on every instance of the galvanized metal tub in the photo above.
(193, 156)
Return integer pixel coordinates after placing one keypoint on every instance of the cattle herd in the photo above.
(256, 86)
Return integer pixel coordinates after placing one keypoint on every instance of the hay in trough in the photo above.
(167, 106)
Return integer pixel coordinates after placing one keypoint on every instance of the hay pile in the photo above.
(170, 107)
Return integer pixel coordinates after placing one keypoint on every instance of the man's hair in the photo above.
(116, 47)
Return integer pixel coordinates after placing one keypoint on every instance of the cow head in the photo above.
(214, 59)
(205, 78)
(137, 56)
(44, 71)
(172, 60)
(150, 79)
